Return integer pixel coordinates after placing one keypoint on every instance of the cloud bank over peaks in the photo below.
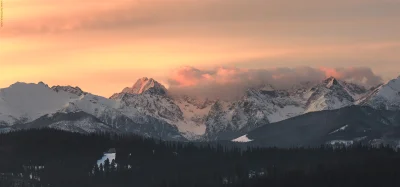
(231, 82)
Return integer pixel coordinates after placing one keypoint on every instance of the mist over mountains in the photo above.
(230, 83)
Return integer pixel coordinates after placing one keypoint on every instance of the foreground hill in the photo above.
(350, 125)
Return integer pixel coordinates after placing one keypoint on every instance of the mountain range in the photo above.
(147, 108)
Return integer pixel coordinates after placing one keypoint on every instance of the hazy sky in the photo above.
(103, 46)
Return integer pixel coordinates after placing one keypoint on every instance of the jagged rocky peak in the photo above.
(331, 81)
(146, 85)
(43, 84)
(74, 90)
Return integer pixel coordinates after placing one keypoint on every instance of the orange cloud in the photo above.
(331, 72)
(187, 76)
(230, 83)
(361, 75)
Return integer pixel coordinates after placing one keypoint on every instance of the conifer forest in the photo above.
(48, 157)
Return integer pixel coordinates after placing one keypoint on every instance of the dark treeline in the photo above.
(49, 157)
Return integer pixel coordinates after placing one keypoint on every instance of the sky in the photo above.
(104, 46)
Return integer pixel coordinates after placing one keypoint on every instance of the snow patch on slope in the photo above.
(242, 139)
(340, 129)
(326, 103)
(341, 142)
(194, 117)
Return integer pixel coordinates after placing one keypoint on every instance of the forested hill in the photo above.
(49, 157)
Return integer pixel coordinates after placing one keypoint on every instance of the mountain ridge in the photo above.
(148, 104)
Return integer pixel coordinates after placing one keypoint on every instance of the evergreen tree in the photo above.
(107, 166)
(101, 169)
(196, 164)
(113, 166)
(96, 170)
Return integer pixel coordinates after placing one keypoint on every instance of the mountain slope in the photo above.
(347, 125)
(262, 106)
(386, 97)
(23, 102)
(153, 101)
(119, 115)
(73, 121)
(228, 119)
(35, 105)
(332, 94)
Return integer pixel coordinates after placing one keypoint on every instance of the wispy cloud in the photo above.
(74, 15)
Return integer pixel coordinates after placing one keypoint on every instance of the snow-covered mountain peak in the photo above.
(145, 85)
(73, 90)
(24, 85)
(354, 90)
(331, 78)
(331, 94)
(27, 101)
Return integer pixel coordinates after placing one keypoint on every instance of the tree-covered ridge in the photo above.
(48, 157)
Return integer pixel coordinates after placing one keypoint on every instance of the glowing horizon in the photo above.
(105, 46)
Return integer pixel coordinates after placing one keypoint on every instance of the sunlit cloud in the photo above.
(87, 42)
(232, 82)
